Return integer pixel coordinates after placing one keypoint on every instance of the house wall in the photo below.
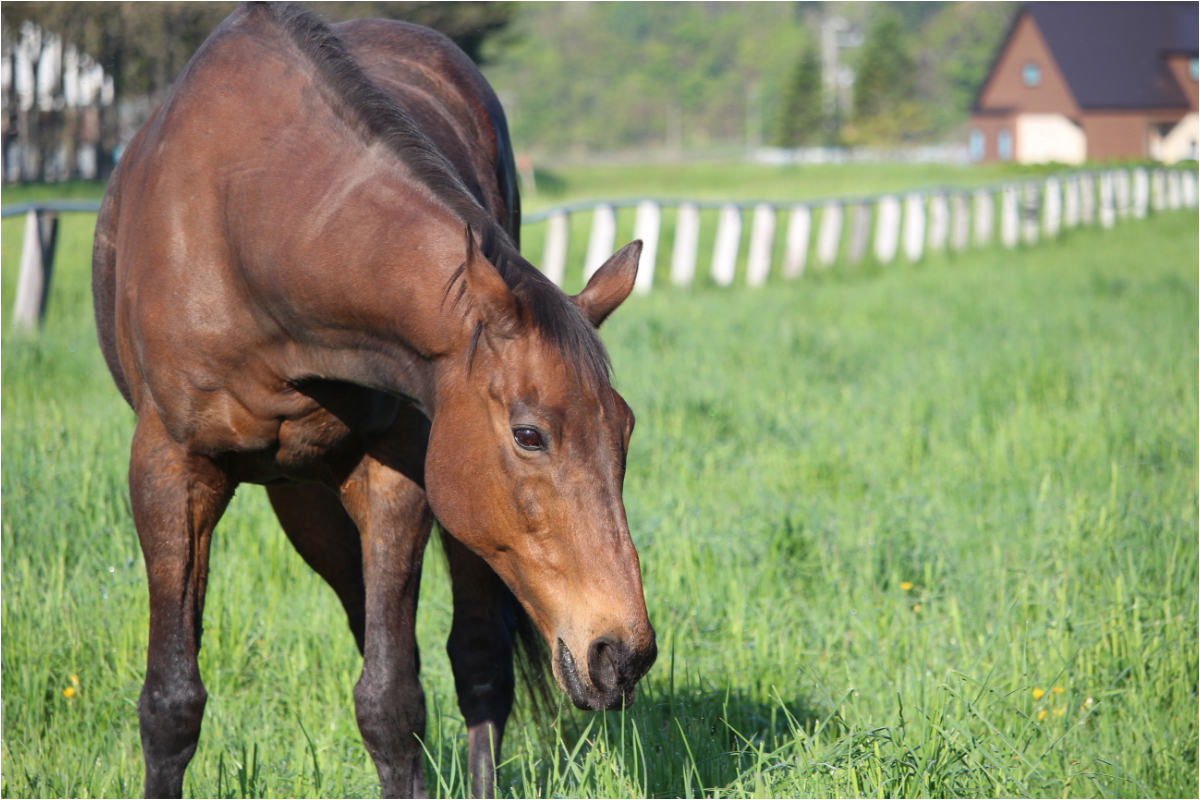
(1043, 138)
(1006, 86)
(1124, 134)
(1181, 142)
(990, 126)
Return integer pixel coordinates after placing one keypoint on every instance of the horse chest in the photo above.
(337, 426)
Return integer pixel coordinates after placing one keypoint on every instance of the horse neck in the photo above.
(366, 282)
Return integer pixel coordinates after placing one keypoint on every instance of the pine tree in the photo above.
(802, 120)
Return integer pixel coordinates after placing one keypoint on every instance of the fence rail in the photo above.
(846, 229)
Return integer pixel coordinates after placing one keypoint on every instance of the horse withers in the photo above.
(306, 276)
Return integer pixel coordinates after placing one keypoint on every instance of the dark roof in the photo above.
(1111, 54)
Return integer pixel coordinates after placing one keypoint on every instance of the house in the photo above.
(1088, 81)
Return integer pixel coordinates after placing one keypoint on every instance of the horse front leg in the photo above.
(177, 498)
(481, 654)
(394, 520)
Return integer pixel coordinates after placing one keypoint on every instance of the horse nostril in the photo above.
(605, 659)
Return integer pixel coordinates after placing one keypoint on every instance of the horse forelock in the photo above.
(377, 117)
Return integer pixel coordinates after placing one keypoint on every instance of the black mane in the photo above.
(378, 118)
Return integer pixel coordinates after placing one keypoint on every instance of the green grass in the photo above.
(877, 508)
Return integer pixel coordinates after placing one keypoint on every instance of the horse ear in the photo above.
(486, 288)
(611, 284)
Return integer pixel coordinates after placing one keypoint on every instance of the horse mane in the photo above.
(376, 117)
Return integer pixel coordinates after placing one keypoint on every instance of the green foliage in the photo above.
(883, 513)
(801, 120)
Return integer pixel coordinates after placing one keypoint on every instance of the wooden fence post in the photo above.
(1071, 202)
(762, 240)
(914, 227)
(1174, 190)
(796, 247)
(829, 237)
(860, 232)
(1052, 217)
(1158, 194)
(1010, 217)
(939, 222)
(601, 241)
(1030, 216)
(985, 217)
(554, 256)
(646, 227)
(1122, 191)
(1108, 200)
(725, 249)
(37, 263)
(1087, 199)
(960, 222)
(687, 240)
(1141, 192)
(887, 228)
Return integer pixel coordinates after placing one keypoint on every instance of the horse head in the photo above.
(526, 463)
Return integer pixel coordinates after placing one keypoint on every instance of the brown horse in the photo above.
(306, 276)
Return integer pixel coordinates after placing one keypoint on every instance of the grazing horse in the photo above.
(306, 277)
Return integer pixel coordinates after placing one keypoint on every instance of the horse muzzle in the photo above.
(611, 672)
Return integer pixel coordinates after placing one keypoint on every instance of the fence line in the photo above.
(929, 220)
(914, 224)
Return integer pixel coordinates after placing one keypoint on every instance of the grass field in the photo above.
(908, 531)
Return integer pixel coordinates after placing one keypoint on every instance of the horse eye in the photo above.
(528, 438)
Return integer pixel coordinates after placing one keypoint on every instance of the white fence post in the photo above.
(646, 227)
(887, 228)
(985, 217)
(554, 257)
(762, 241)
(1087, 199)
(1174, 190)
(1122, 190)
(860, 232)
(796, 247)
(1030, 217)
(1010, 217)
(1108, 200)
(1189, 189)
(829, 237)
(1158, 193)
(960, 222)
(725, 249)
(37, 262)
(1052, 216)
(1071, 202)
(1141, 192)
(939, 222)
(687, 240)
(914, 227)
(600, 243)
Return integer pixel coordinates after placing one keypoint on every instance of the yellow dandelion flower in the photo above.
(1038, 693)
(917, 608)
(69, 692)
(1042, 715)
(75, 681)
(905, 585)
(1058, 712)
(1058, 690)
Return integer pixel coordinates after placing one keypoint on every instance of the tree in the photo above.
(885, 87)
(802, 119)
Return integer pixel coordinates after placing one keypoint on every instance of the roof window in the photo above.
(1031, 74)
